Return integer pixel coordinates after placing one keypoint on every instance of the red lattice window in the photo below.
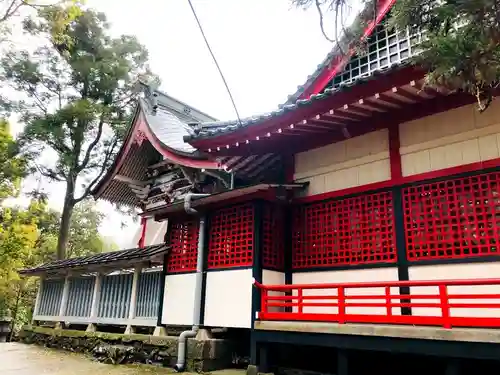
(231, 237)
(457, 218)
(273, 253)
(358, 230)
(183, 237)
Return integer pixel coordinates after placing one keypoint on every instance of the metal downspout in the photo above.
(181, 349)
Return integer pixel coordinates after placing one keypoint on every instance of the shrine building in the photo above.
(362, 214)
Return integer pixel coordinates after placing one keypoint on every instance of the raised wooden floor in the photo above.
(480, 335)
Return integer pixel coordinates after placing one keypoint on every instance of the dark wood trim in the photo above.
(342, 362)
(469, 260)
(439, 348)
(180, 273)
(400, 243)
(162, 290)
(345, 268)
(257, 257)
(229, 269)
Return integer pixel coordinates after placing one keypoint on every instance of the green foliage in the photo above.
(15, 10)
(28, 237)
(462, 50)
(462, 46)
(78, 98)
(12, 165)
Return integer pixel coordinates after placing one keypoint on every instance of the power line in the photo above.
(215, 61)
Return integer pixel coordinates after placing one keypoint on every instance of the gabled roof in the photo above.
(157, 134)
(315, 86)
(114, 259)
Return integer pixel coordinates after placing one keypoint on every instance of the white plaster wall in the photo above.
(449, 139)
(178, 299)
(487, 270)
(273, 278)
(354, 162)
(228, 301)
(155, 233)
(348, 276)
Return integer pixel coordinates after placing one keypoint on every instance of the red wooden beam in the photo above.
(394, 152)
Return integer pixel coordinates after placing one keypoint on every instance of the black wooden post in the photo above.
(257, 275)
(288, 243)
(342, 362)
(162, 280)
(399, 227)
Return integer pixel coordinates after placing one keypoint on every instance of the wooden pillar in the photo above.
(257, 258)
(36, 310)
(452, 367)
(161, 295)
(399, 226)
(64, 299)
(95, 297)
(342, 362)
(133, 299)
(288, 243)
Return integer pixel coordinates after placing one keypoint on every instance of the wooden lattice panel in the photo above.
(351, 231)
(273, 237)
(231, 237)
(457, 218)
(183, 239)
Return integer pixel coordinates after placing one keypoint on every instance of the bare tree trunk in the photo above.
(67, 212)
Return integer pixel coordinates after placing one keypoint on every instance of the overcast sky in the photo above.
(266, 48)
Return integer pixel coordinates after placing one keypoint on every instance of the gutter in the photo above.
(181, 349)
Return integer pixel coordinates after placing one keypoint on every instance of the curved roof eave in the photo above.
(140, 124)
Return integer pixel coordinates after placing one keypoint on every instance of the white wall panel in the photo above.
(228, 301)
(178, 299)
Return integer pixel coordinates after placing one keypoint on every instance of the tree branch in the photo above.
(49, 173)
(321, 23)
(92, 145)
(104, 167)
(9, 12)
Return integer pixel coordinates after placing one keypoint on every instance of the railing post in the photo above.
(300, 300)
(388, 300)
(341, 304)
(263, 302)
(445, 307)
(64, 298)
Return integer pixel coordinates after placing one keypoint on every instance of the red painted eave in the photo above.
(316, 107)
(336, 66)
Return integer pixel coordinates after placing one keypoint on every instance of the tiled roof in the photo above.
(213, 129)
(168, 128)
(108, 258)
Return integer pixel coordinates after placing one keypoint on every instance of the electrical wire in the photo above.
(215, 61)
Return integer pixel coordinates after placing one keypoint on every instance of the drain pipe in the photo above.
(181, 349)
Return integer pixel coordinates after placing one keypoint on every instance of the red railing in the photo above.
(446, 303)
